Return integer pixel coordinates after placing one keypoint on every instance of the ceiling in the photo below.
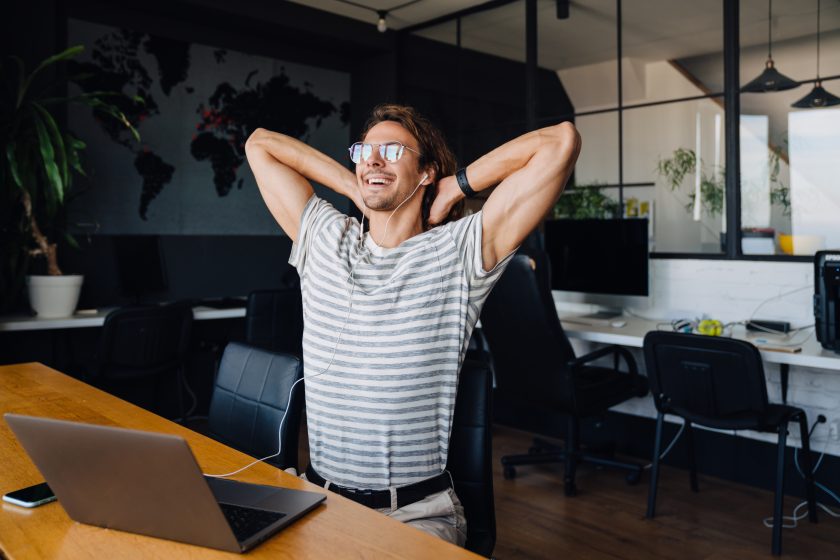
(652, 29)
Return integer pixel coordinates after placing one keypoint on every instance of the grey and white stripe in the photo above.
(385, 334)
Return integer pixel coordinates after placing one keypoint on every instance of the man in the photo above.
(388, 314)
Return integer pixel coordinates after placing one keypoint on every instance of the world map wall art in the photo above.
(188, 174)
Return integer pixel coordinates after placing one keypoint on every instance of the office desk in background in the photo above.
(812, 354)
(78, 320)
(339, 529)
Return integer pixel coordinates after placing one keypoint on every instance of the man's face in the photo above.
(384, 184)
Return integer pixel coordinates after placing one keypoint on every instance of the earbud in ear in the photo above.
(425, 176)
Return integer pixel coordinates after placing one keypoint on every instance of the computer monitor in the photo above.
(599, 256)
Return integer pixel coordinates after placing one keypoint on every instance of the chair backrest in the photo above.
(470, 458)
(274, 320)
(142, 341)
(250, 397)
(709, 380)
(524, 334)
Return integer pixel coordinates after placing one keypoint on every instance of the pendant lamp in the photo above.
(771, 79)
(818, 97)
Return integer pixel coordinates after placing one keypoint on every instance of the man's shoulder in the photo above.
(459, 228)
(323, 212)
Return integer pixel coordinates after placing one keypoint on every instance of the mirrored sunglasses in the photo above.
(389, 151)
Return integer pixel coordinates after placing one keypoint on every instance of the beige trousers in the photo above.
(441, 515)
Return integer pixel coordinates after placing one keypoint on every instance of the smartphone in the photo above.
(31, 496)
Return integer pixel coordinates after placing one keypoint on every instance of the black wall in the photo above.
(477, 100)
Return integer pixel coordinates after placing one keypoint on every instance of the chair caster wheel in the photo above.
(633, 478)
(509, 473)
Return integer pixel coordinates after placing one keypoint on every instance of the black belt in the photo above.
(379, 499)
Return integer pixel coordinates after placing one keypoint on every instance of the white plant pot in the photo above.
(53, 297)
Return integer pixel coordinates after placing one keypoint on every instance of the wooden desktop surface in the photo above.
(339, 529)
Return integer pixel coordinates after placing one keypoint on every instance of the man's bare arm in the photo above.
(283, 167)
(531, 172)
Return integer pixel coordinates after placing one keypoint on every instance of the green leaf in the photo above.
(11, 157)
(73, 147)
(58, 143)
(63, 55)
(50, 168)
(71, 241)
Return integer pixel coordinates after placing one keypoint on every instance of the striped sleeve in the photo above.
(467, 234)
(317, 214)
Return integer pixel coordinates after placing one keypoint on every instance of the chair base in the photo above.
(543, 452)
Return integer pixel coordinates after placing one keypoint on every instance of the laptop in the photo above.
(150, 483)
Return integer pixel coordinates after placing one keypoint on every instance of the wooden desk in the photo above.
(339, 529)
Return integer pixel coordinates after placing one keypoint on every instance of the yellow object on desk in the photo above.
(710, 327)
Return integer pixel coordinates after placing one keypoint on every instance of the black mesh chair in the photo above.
(274, 320)
(470, 460)
(719, 383)
(250, 397)
(140, 348)
(535, 365)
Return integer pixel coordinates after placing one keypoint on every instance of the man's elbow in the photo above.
(564, 141)
(254, 139)
(567, 135)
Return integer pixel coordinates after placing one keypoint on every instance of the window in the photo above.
(790, 157)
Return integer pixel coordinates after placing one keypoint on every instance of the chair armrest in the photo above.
(606, 351)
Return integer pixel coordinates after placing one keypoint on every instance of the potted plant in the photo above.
(712, 189)
(585, 201)
(39, 160)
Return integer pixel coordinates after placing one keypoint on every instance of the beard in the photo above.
(382, 201)
(386, 200)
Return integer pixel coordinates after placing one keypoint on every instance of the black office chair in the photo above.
(140, 348)
(274, 320)
(250, 397)
(719, 383)
(470, 460)
(535, 365)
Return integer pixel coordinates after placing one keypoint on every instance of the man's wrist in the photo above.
(464, 184)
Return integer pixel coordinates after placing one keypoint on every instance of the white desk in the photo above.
(97, 319)
(633, 334)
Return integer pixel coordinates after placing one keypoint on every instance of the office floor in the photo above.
(606, 520)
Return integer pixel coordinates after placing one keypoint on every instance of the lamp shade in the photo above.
(818, 97)
(770, 80)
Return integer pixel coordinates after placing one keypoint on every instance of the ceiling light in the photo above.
(382, 25)
(818, 97)
(770, 79)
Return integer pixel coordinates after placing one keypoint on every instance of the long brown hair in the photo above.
(434, 152)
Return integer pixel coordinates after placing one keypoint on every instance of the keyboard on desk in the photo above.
(247, 522)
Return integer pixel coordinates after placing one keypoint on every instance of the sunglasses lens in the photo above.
(356, 152)
(391, 151)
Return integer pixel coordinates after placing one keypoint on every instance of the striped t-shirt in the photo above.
(382, 372)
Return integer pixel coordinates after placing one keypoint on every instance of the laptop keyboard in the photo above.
(247, 522)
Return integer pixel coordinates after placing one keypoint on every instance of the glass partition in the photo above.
(790, 156)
